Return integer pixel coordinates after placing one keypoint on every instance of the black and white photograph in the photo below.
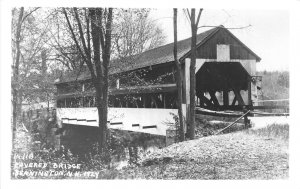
(147, 93)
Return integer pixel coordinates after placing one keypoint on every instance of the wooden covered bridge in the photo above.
(143, 92)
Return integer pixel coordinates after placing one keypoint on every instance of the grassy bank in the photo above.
(259, 154)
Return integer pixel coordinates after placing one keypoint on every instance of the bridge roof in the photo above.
(159, 55)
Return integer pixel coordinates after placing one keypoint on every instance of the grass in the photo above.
(274, 131)
(247, 154)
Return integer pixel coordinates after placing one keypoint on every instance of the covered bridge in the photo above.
(143, 90)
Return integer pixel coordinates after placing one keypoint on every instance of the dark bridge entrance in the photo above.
(222, 86)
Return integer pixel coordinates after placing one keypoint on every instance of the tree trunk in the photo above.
(178, 81)
(193, 76)
(102, 114)
(16, 69)
(100, 34)
(102, 103)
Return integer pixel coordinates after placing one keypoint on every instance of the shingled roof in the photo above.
(159, 55)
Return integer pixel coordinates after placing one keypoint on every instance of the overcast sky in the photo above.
(268, 35)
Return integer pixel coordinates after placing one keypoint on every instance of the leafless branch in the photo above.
(198, 18)
(81, 34)
(189, 14)
(29, 14)
(73, 34)
(231, 28)
(86, 50)
(88, 30)
(102, 33)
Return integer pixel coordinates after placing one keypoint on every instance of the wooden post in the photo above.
(249, 91)
(120, 102)
(144, 100)
(126, 103)
(201, 100)
(225, 97)
(246, 120)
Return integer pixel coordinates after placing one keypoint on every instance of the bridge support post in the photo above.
(225, 98)
(249, 91)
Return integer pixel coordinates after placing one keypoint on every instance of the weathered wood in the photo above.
(214, 98)
(145, 89)
(234, 101)
(204, 100)
(239, 97)
(237, 49)
(128, 90)
(225, 98)
(215, 113)
(240, 108)
(249, 91)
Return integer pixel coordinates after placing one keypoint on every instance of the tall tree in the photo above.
(29, 41)
(178, 79)
(24, 48)
(16, 64)
(96, 56)
(194, 27)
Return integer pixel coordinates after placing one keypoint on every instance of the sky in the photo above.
(268, 35)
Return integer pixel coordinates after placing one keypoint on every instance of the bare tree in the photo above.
(194, 27)
(16, 64)
(178, 79)
(135, 32)
(96, 55)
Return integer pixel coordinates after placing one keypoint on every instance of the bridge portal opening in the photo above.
(222, 85)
